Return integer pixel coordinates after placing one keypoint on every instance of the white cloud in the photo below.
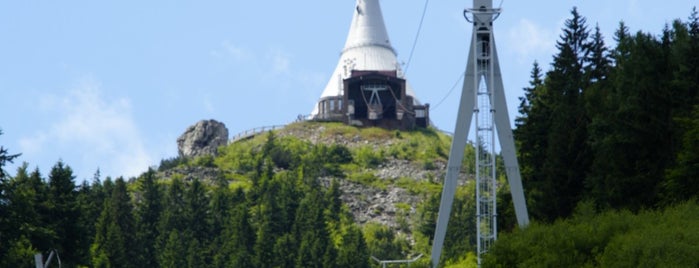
(529, 40)
(233, 51)
(95, 131)
(280, 61)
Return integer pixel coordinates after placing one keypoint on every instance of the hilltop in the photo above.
(386, 176)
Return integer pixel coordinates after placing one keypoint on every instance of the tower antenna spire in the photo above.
(367, 47)
(482, 98)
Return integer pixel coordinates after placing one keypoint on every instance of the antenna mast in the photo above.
(482, 97)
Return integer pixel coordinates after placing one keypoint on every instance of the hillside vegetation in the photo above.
(613, 130)
(308, 195)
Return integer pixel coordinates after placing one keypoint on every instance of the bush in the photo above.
(170, 163)
(612, 239)
(366, 156)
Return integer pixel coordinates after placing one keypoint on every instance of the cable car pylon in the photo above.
(482, 97)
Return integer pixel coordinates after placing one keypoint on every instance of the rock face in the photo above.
(203, 138)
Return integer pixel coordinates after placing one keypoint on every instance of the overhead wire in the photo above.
(463, 74)
(417, 36)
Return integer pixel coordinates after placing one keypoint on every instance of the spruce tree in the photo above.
(680, 183)
(310, 228)
(115, 242)
(174, 250)
(5, 157)
(148, 212)
(567, 154)
(353, 251)
(63, 213)
(23, 220)
(172, 225)
(531, 135)
(197, 220)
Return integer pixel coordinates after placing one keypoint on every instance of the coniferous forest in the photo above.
(608, 143)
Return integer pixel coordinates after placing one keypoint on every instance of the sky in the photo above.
(110, 85)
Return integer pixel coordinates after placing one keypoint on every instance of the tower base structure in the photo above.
(374, 98)
(482, 97)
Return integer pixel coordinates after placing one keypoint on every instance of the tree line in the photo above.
(284, 219)
(615, 126)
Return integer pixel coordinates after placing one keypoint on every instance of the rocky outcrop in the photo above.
(203, 138)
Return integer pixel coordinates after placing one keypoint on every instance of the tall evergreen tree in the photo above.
(172, 226)
(314, 241)
(680, 183)
(5, 157)
(221, 206)
(174, 250)
(353, 251)
(63, 212)
(23, 223)
(567, 156)
(238, 240)
(115, 244)
(148, 212)
(269, 223)
(531, 135)
(197, 221)
(598, 63)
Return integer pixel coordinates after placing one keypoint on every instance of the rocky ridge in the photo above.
(393, 205)
(202, 138)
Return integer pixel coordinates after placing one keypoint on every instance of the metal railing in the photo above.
(254, 132)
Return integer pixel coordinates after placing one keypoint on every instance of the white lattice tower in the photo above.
(482, 97)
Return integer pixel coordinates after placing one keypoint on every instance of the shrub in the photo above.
(366, 156)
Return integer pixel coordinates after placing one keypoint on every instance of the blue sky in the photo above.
(112, 84)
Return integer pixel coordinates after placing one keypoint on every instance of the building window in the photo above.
(419, 113)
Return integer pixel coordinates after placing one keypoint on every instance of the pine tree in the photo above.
(5, 230)
(148, 212)
(91, 199)
(598, 63)
(353, 252)
(221, 205)
(531, 135)
(238, 240)
(197, 220)
(63, 212)
(23, 221)
(680, 183)
(5, 158)
(269, 223)
(172, 226)
(285, 251)
(174, 251)
(567, 155)
(312, 232)
(115, 241)
(20, 253)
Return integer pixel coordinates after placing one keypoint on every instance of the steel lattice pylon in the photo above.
(482, 97)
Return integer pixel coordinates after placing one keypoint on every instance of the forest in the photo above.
(608, 144)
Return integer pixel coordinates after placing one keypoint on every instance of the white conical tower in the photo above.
(367, 48)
